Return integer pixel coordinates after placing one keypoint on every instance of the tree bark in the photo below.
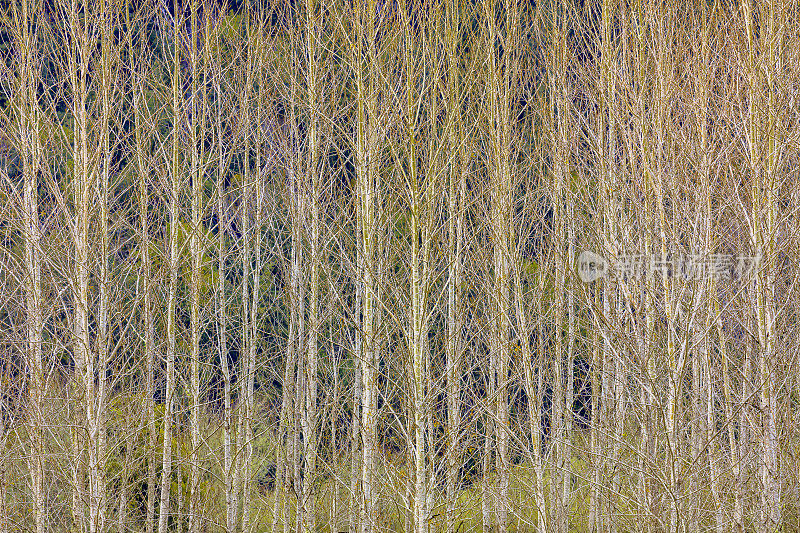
(29, 137)
(197, 117)
(141, 145)
(455, 234)
(173, 201)
(366, 159)
(313, 179)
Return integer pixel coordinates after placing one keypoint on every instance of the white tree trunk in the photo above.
(197, 117)
(367, 191)
(173, 199)
(455, 235)
(29, 138)
(314, 181)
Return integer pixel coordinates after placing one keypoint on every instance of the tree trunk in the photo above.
(354, 516)
(196, 177)
(532, 389)
(367, 191)
(173, 199)
(30, 157)
(763, 167)
(147, 305)
(501, 80)
(313, 178)
(455, 234)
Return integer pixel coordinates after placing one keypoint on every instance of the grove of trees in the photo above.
(299, 265)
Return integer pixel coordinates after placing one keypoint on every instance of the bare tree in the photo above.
(30, 154)
(173, 180)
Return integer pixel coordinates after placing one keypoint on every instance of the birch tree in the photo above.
(27, 138)
(454, 97)
(363, 59)
(502, 78)
(196, 179)
(763, 140)
(173, 180)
